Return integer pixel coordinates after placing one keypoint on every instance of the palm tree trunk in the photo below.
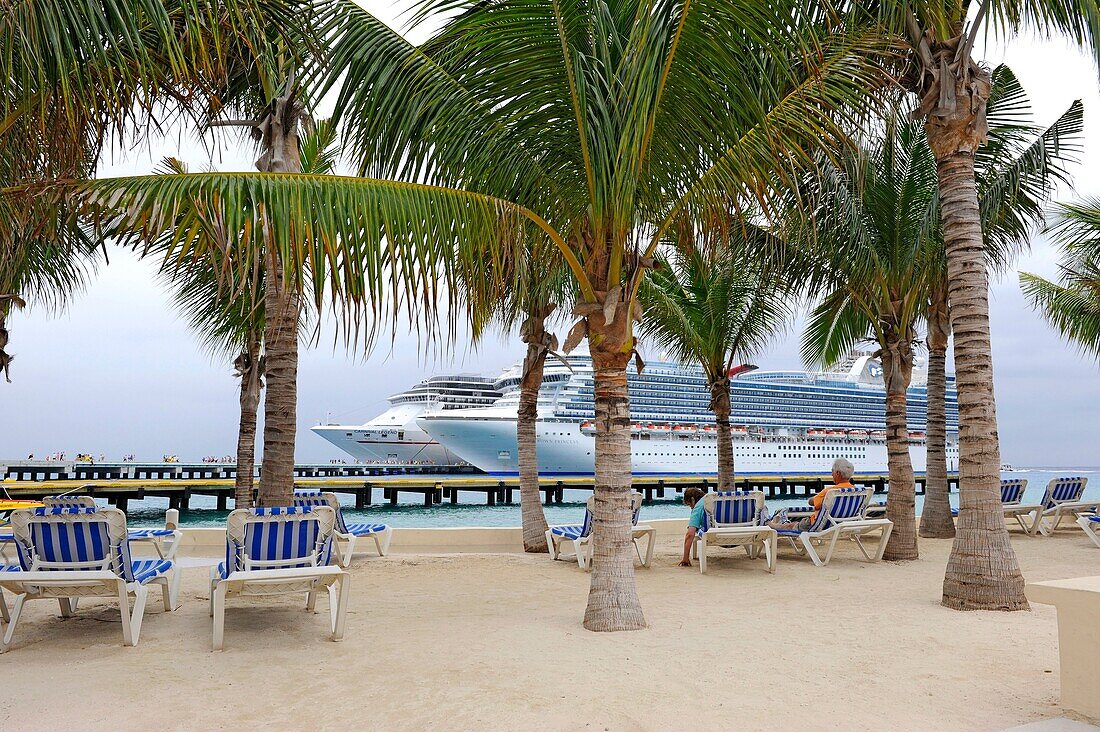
(246, 434)
(935, 517)
(613, 602)
(280, 154)
(720, 405)
(982, 571)
(530, 497)
(897, 371)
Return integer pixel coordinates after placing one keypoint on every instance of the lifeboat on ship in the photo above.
(685, 430)
(815, 433)
(588, 428)
(636, 428)
(710, 430)
(660, 429)
(858, 434)
(917, 436)
(879, 434)
(739, 429)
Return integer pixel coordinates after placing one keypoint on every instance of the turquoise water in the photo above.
(471, 511)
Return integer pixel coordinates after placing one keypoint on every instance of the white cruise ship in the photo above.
(783, 422)
(395, 437)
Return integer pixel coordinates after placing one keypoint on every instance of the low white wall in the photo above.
(210, 542)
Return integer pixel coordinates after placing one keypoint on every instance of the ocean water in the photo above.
(471, 510)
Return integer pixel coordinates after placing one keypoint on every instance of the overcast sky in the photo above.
(119, 372)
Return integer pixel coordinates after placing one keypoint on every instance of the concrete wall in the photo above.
(478, 540)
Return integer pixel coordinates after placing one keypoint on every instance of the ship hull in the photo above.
(563, 449)
(382, 445)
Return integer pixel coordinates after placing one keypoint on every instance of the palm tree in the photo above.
(78, 76)
(231, 321)
(524, 289)
(1072, 305)
(872, 236)
(716, 307)
(1016, 169)
(953, 90)
(609, 127)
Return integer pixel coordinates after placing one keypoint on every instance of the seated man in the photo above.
(693, 497)
(842, 478)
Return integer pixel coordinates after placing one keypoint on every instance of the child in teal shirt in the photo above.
(693, 498)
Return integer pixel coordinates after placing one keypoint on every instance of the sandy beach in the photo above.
(469, 641)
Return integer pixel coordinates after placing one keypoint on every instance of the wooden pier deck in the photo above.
(120, 483)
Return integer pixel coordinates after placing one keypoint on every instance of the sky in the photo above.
(119, 371)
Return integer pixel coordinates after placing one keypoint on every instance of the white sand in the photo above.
(470, 641)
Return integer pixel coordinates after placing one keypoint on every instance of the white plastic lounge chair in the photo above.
(841, 516)
(1012, 494)
(165, 541)
(279, 551)
(730, 519)
(1091, 525)
(70, 553)
(581, 535)
(1062, 499)
(345, 532)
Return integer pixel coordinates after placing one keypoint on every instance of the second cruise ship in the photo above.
(791, 422)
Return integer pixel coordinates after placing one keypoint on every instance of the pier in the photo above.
(178, 482)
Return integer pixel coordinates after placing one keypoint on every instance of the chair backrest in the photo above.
(590, 512)
(68, 502)
(1012, 491)
(53, 538)
(280, 537)
(840, 505)
(732, 508)
(319, 498)
(635, 507)
(1062, 490)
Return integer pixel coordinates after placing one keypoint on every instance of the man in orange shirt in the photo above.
(842, 478)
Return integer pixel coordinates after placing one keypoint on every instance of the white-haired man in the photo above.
(843, 470)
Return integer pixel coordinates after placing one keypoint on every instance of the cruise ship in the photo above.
(395, 437)
(783, 422)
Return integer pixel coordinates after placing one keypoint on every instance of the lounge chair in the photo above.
(279, 551)
(1091, 525)
(165, 541)
(345, 532)
(841, 516)
(1061, 499)
(731, 519)
(70, 553)
(581, 535)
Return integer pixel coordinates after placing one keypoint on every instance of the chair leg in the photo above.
(809, 547)
(832, 548)
(580, 546)
(349, 552)
(341, 607)
(16, 611)
(218, 601)
(702, 552)
(771, 550)
(141, 594)
(311, 600)
(652, 539)
(387, 537)
(124, 611)
(4, 609)
(551, 546)
(66, 607)
(883, 541)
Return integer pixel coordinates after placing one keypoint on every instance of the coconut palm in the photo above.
(76, 78)
(717, 307)
(952, 91)
(230, 322)
(609, 127)
(1016, 169)
(872, 240)
(1072, 304)
(524, 290)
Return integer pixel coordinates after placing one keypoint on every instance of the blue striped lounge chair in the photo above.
(1012, 495)
(1061, 499)
(283, 550)
(165, 541)
(730, 519)
(1090, 523)
(71, 553)
(581, 535)
(345, 532)
(841, 516)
